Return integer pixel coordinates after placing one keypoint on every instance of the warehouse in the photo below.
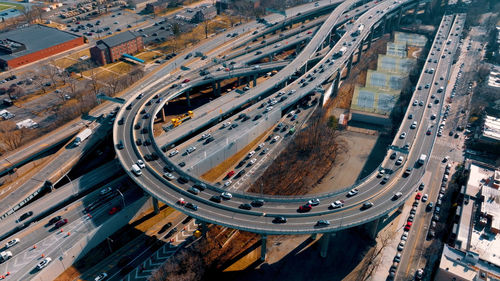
(32, 43)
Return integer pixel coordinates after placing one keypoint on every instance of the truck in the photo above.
(83, 135)
(358, 30)
(341, 52)
(421, 159)
(5, 255)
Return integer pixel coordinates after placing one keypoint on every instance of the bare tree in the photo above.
(10, 138)
(50, 72)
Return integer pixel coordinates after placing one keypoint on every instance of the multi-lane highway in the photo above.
(260, 219)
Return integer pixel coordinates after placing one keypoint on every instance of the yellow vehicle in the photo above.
(179, 119)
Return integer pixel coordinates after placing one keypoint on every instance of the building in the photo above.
(32, 43)
(490, 132)
(410, 39)
(198, 14)
(111, 49)
(139, 4)
(474, 253)
(157, 6)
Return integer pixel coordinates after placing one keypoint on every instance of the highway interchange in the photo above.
(260, 220)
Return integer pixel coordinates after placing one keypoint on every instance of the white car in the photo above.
(403, 135)
(353, 192)
(43, 263)
(337, 204)
(269, 108)
(169, 176)
(404, 236)
(313, 202)
(205, 136)
(228, 183)
(413, 125)
(251, 153)
(227, 124)
(400, 160)
(140, 163)
(12, 243)
(425, 197)
(101, 276)
(173, 153)
(401, 245)
(261, 145)
(191, 149)
(252, 161)
(226, 195)
(275, 139)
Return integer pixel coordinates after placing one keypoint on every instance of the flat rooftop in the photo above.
(35, 37)
(478, 176)
(457, 263)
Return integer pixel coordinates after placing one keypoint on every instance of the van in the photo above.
(136, 170)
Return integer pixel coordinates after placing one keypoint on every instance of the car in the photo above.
(279, 219)
(337, 204)
(101, 276)
(429, 206)
(407, 171)
(445, 159)
(114, 210)
(25, 216)
(397, 258)
(228, 183)
(181, 201)
(367, 205)
(415, 102)
(216, 198)
(403, 135)
(418, 196)
(410, 116)
(425, 197)
(429, 105)
(393, 155)
(433, 116)
(428, 132)
(194, 190)
(322, 223)
(54, 220)
(12, 242)
(226, 195)
(413, 125)
(43, 263)
(173, 153)
(421, 186)
(381, 173)
(191, 206)
(404, 236)
(401, 245)
(140, 164)
(352, 192)
(400, 160)
(191, 149)
(419, 274)
(304, 208)
(245, 206)
(408, 226)
(397, 195)
(313, 202)
(60, 223)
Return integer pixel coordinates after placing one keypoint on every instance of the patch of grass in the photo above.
(64, 62)
(121, 68)
(7, 5)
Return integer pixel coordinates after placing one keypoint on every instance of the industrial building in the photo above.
(198, 14)
(490, 132)
(111, 49)
(32, 43)
(474, 253)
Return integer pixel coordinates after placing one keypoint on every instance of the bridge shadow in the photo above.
(303, 262)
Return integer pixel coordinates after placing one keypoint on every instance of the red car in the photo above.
(185, 80)
(428, 132)
(230, 174)
(408, 226)
(304, 208)
(181, 201)
(309, 32)
(114, 210)
(61, 223)
(418, 196)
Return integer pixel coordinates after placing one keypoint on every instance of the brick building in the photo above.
(111, 49)
(35, 42)
(157, 7)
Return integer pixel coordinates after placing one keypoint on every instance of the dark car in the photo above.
(245, 206)
(192, 206)
(216, 198)
(240, 173)
(54, 220)
(183, 180)
(171, 232)
(165, 227)
(258, 203)
(25, 215)
(279, 220)
(182, 164)
(367, 205)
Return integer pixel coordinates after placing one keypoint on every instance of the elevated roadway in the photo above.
(260, 220)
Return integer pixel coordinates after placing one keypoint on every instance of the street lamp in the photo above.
(121, 194)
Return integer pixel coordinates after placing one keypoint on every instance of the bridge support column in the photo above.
(314, 236)
(384, 24)
(400, 15)
(336, 84)
(156, 208)
(255, 80)
(204, 228)
(360, 50)
(263, 247)
(349, 64)
(218, 88)
(372, 228)
(270, 57)
(188, 99)
(162, 114)
(370, 38)
(325, 242)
